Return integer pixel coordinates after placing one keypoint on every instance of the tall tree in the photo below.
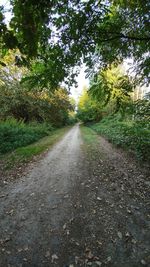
(89, 109)
(112, 84)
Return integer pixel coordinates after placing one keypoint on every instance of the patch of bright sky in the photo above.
(82, 81)
(7, 7)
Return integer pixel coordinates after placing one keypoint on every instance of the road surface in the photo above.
(84, 204)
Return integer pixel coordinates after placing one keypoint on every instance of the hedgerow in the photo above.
(131, 135)
(14, 134)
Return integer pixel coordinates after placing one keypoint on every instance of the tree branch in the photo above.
(120, 35)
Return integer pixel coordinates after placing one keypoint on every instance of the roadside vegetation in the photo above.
(23, 154)
(36, 76)
(28, 114)
(107, 106)
(14, 134)
(130, 135)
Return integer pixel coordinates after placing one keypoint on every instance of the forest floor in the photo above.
(84, 203)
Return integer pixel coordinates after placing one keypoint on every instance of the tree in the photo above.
(89, 110)
(112, 84)
(30, 104)
(65, 32)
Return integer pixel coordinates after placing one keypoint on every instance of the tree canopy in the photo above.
(62, 34)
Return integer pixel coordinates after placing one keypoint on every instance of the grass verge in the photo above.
(24, 154)
(88, 135)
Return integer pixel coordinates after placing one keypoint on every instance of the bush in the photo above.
(132, 135)
(142, 110)
(15, 134)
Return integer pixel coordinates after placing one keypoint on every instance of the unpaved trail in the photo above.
(83, 204)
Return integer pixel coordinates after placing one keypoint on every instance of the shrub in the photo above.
(132, 135)
(15, 134)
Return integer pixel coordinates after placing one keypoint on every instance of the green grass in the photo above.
(88, 135)
(131, 135)
(24, 154)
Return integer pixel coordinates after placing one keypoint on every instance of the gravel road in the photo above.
(82, 204)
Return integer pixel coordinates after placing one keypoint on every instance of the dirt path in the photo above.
(84, 204)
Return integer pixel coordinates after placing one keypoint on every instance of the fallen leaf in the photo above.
(98, 263)
(129, 211)
(119, 235)
(47, 255)
(10, 212)
(54, 257)
(66, 196)
(76, 260)
(26, 248)
(143, 262)
(19, 249)
(109, 259)
(89, 254)
(2, 241)
(64, 226)
(68, 232)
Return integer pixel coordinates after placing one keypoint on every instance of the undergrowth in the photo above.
(14, 134)
(22, 155)
(131, 135)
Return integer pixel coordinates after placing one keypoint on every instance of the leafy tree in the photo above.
(29, 104)
(112, 85)
(65, 32)
(89, 110)
(7, 38)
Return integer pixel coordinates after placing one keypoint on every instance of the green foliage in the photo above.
(24, 154)
(142, 110)
(21, 102)
(7, 38)
(112, 85)
(72, 119)
(62, 33)
(130, 135)
(109, 93)
(15, 134)
(88, 109)
(27, 106)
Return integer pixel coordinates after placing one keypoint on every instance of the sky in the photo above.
(82, 81)
(6, 4)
